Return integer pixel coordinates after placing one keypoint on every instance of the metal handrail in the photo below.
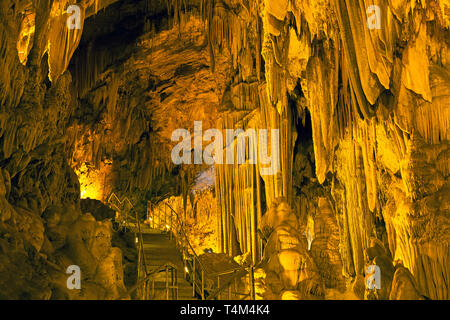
(164, 267)
(241, 272)
(114, 206)
(141, 253)
(199, 282)
(184, 233)
(222, 273)
(197, 268)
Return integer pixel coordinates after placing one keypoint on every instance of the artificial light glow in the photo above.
(91, 192)
(167, 226)
(92, 181)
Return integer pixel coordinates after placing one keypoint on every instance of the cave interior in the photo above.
(115, 121)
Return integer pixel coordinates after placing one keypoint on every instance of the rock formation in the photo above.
(359, 91)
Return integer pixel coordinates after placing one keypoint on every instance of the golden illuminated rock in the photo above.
(360, 94)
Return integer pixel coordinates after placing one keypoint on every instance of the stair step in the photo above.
(159, 249)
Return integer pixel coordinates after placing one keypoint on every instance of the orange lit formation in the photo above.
(94, 182)
(92, 97)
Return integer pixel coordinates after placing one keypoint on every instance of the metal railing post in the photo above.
(153, 288)
(175, 283)
(153, 217)
(252, 283)
(170, 224)
(159, 218)
(167, 283)
(218, 286)
(165, 217)
(203, 284)
(193, 278)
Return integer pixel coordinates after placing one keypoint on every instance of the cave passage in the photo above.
(224, 150)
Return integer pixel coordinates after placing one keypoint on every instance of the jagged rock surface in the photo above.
(364, 135)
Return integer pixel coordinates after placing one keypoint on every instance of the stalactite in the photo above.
(367, 142)
(270, 118)
(12, 78)
(62, 43)
(322, 85)
(88, 67)
(349, 21)
(275, 74)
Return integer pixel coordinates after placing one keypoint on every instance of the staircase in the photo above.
(160, 249)
(166, 259)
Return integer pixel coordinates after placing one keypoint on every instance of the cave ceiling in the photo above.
(362, 107)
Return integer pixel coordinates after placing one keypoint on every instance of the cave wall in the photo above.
(82, 106)
(43, 229)
(377, 149)
(378, 102)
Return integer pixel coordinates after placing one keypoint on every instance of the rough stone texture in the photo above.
(378, 104)
(364, 136)
(291, 272)
(97, 209)
(42, 228)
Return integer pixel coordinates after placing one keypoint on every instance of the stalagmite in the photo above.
(351, 98)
